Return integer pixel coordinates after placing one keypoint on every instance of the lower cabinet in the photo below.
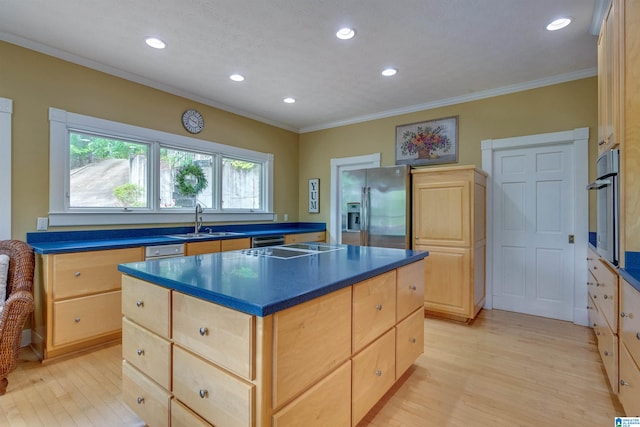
(318, 236)
(629, 393)
(191, 362)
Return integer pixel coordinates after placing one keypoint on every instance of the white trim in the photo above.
(61, 121)
(6, 111)
(548, 81)
(579, 138)
(599, 10)
(357, 162)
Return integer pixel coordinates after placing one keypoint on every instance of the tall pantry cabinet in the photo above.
(449, 222)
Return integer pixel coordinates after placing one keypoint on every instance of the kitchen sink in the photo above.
(203, 235)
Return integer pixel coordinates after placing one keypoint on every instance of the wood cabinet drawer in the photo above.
(629, 394)
(86, 317)
(319, 236)
(147, 305)
(409, 341)
(608, 348)
(410, 289)
(146, 398)
(217, 396)
(630, 319)
(181, 416)
(217, 333)
(198, 248)
(310, 340)
(374, 308)
(235, 244)
(83, 273)
(605, 296)
(148, 352)
(373, 373)
(324, 404)
(592, 312)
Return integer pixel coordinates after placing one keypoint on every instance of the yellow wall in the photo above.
(36, 82)
(549, 109)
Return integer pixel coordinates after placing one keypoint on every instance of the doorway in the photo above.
(337, 167)
(537, 224)
(6, 109)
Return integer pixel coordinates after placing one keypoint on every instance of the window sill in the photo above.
(128, 218)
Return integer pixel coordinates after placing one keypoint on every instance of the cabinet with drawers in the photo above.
(629, 393)
(188, 361)
(213, 246)
(81, 305)
(317, 236)
(602, 284)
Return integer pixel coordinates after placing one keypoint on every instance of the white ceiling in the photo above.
(446, 51)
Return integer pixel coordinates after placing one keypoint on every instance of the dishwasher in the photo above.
(163, 251)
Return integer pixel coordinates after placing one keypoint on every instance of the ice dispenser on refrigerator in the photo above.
(353, 216)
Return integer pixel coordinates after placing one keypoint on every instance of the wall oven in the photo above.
(606, 186)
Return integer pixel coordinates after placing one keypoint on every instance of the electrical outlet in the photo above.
(42, 224)
(275, 217)
(286, 217)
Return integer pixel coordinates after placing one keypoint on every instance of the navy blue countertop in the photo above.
(631, 270)
(54, 242)
(262, 285)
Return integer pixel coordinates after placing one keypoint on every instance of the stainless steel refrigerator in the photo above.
(375, 207)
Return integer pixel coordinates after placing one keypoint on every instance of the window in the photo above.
(104, 172)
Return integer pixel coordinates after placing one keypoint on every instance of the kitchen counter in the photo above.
(262, 285)
(54, 242)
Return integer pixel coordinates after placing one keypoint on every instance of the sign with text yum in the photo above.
(314, 195)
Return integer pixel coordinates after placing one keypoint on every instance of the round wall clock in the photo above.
(192, 121)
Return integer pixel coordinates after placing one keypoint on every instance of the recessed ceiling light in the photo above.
(345, 33)
(388, 72)
(236, 77)
(155, 43)
(558, 24)
(289, 100)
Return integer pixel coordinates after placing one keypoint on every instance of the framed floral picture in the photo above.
(427, 143)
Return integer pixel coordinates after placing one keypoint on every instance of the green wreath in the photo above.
(191, 180)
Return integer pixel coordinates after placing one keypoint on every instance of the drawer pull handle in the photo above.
(203, 331)
(595, 297)
(623, 314)
(139, 303)
(412, 340)
(413, 288)
(77, 320)
(623, 382)
(203, 393)
(140, 400)
(379, 373)
(638, 335)
(606, 296)
(606, 353)
(77, 274)
(379, 307)
(140, 352)
(598, 333)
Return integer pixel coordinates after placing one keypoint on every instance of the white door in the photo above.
(533, 226)
(6, 110)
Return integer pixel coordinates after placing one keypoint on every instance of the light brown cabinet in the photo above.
(316, 236)
(294, 367)
(608, 80)
(449, 222)
(81, 304)
(213, 246)
(629, 392)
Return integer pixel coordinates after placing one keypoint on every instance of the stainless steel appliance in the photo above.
(606, 186)
(375, 207)
(261, 241)
(163, 251)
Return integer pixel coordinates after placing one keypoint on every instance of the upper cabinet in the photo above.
(608, 80)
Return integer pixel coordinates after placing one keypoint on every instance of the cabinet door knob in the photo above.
(139, 303)
(140, 400)
(379, 307)
(140, 352)
(203, 393)
(77, 274)
(623, 314)
(606, 353)
(413, 287)
(203, 331)
(379, 373)
(606, 296)
(623, 382)
(77, 320)
(412, 340)
(638, 335)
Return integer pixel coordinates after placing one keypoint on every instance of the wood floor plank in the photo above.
(504, 369)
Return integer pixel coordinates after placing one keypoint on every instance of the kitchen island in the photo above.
(285, 336)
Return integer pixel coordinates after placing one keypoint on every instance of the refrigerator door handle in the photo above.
(366, 214)
(363, 215)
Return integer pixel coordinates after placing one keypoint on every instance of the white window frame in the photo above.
(61, 122)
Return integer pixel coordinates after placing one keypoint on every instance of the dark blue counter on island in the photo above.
(262, 285)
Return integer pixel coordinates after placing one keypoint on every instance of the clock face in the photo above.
(192, 121)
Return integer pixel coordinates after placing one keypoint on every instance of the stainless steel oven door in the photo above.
(606, 217)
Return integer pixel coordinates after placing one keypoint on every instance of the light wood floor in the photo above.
(505, 369)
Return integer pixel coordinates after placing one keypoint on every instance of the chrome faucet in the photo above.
(198, 218)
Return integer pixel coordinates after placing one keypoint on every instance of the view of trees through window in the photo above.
(106, 172)
(113, 173)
